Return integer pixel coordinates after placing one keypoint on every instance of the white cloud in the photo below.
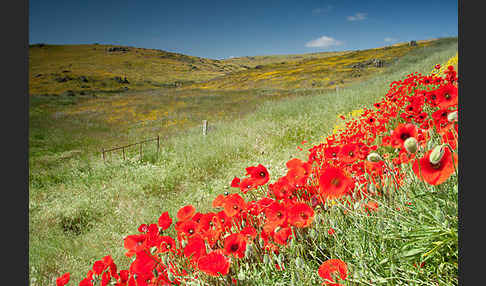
(357, 17)
(323, 42)
(322, 10)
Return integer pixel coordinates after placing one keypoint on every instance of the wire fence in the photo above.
(104, 151)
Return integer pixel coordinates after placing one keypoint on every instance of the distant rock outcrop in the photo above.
(118, 49)
(120, 80)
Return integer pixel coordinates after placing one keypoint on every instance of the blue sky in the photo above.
(223, 29)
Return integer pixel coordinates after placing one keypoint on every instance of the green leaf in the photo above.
(412, 252)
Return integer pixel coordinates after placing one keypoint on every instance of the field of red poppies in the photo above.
(410, 136)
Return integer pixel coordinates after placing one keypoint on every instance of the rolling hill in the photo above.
(83, 69)
(90, 69)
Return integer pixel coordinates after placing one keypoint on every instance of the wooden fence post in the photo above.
(158, 144)
(205, 127)
(123, 150)
(103, 151)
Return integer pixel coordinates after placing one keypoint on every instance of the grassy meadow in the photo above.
(81, 208)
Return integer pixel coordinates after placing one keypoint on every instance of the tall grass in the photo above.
(80, 208)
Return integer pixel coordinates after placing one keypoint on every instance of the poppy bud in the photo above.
(452, 116)
(374, 157)
(411, 145)
(436, 155)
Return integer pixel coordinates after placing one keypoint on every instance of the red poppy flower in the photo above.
(86, 282)
(441, 122)
(281, 188)
(234, 204)
(197, 217)
(105, 278)
(447, 96)
(253, 208)
(165, 221)
(187, 228)
(283, 235)
(449, 138)
(421, 117)
(438, 173)
(332, 267)
(143, 228)
(235, 183)
(348, 153)
(63, 280)
(206, 222)
(99, 266)
(167, 243)
(301, 215)
(223, 219)
(249, 232)
(218, 201)
(214, 264)
(247, 184)
(331, 231)
(212, 235)
(134, 243)
(334, 183)
(258, 174)
(265, 202)
(235, 244)
(331, 152)
(186, 213)
(195, 248)
(124, 275)
(402, 132)
(143, 265)
(298, 172)
(276, 215)
(432, 97)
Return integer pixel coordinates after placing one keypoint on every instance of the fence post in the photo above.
(205, 127)
(123, 149)
(158, 144)
(103, 151)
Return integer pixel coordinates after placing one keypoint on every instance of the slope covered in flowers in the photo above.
(411, 134)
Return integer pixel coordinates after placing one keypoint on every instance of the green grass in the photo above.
(81, 208)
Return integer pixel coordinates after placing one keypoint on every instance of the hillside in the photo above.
(321, 70)
(84, 69)
(94, 69)
(254, 61)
